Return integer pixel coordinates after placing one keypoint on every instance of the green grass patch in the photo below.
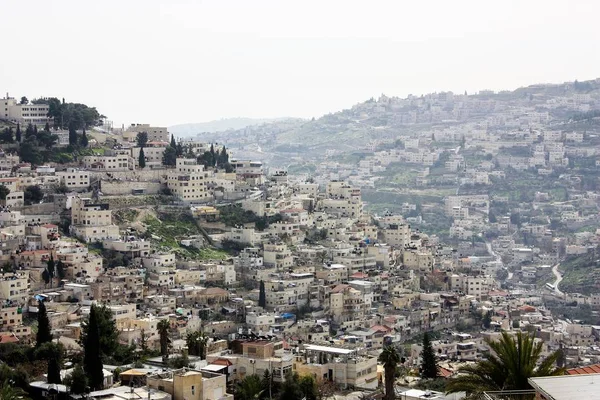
(169, 229)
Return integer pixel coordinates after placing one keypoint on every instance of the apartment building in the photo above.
(155, 133)
(73, 178)
(254, 358)
(249, 171)
(92, 222)
(397, 235)
(190, 182)
(277, 256)
(118, 162)
(344, 367)
(36, 114)
(14, 287)
(153, 154)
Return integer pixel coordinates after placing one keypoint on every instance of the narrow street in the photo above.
(559, 278)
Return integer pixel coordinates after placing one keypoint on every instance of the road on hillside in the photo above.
(559, 278)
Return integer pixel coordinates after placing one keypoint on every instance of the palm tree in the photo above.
(196, 343)
(512, 362)
(163, 327)
(390, 358)
(10, 392)
(249, 388)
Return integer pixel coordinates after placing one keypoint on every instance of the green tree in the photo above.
(169, 156)
(164, 331)
(262, 295)
(18, 133)
(46, 276)
(84, 139)
(249, 388)
(196, 343)
(207, 159)
(47, 127)
(44, 334)
(77, 381)
(24, 100)
(72, 136)
(9, 392)
(429, 366)
(29, 131)
(142, 139)
(487, 320)
(290, 389)
(6, 136)
(92, 359)
(308, 387)
(33, 194)
(390, 358)
(60, 270)
(142, 159)
(30, 154)
(107, 331)
(173, 144)
(223, 156)
(4, 191)
(46, 139)
(53, 354)
(51, 267)
(513, 360)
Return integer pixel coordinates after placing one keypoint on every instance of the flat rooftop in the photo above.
(568, 387)
(328, 349)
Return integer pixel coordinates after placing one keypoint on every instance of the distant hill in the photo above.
(221, 125)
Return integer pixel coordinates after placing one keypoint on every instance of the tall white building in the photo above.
(190, 182)
(36, 114)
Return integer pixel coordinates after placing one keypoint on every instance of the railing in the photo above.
(509, 395)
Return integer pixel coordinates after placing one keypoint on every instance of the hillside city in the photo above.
(383, 251)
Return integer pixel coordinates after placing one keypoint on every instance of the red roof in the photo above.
(527, 308)
(381, 328)
(359, 275)
(590, 369)
(444, 372)
(339, 288)
(8, 339)
(222, 361)
(50, 226)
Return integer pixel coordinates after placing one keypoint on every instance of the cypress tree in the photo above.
(18, 133)
(262, 296)
(47, 127)
(173, 144)
(429, 367)
(72, 136)
(212, 155)
(60, 269)
(44, 335)
(84, 139)
(54, 369)
(142, 159)
(92, 362)
(50, 266)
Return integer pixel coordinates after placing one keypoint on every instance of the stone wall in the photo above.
(147, 174)
(115, 188)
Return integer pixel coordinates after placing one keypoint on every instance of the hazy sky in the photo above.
(176, 61)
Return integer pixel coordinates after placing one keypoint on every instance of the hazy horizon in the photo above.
(176, 62)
